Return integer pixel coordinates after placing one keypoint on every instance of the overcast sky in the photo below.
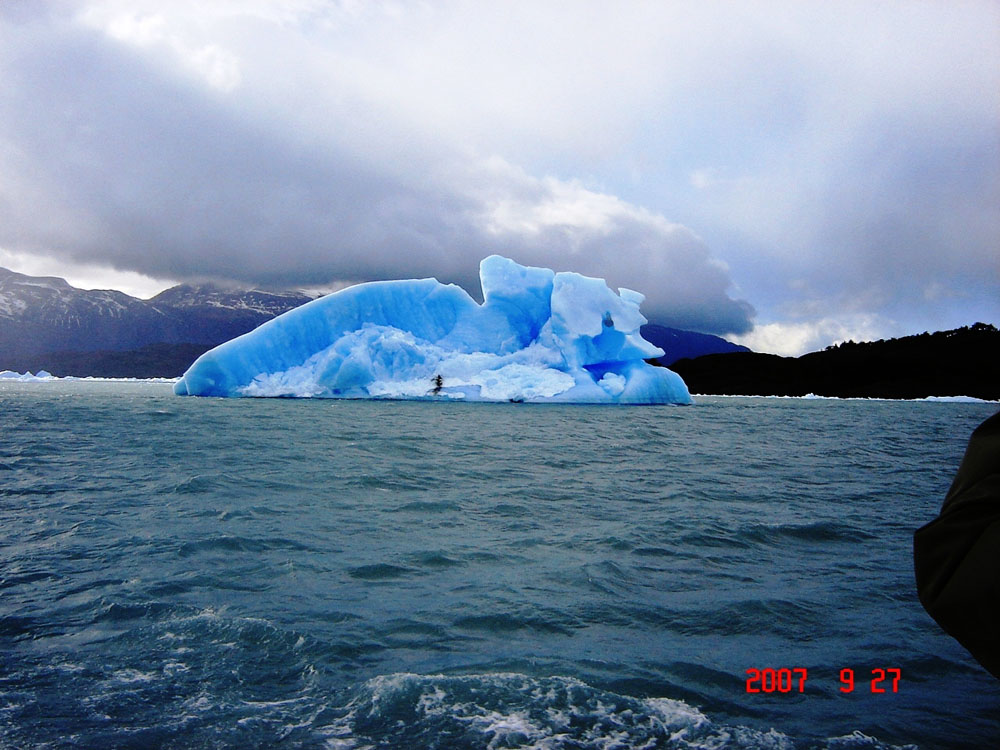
(785, 174)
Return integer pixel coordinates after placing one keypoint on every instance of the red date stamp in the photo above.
(794, 680)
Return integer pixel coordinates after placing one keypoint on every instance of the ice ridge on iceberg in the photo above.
(537, 336)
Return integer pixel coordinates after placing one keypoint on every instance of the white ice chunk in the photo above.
(516, 382)
(613, 383)
(42, 376)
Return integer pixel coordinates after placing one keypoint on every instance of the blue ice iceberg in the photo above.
(538, 336)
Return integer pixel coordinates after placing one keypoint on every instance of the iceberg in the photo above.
(538, 336)
(42, 376)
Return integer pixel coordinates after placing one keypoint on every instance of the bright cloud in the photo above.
(795, 338)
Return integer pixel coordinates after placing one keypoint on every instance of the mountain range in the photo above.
(45, 323)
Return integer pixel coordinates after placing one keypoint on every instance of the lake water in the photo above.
(188, 573)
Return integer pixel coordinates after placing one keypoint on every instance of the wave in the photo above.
(508, 710)
(823, 532)
(185, 677)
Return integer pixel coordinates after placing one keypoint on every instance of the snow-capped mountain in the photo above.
(46, 314)
(199, 296)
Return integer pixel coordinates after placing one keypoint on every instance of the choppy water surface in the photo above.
(213, 573)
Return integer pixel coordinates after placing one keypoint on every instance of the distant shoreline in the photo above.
(963, 361)
(8, 376)
(960, 361)
(814, 397)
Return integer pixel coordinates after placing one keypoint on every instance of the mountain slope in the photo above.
(678, 344)
(209, 314)
(41, 314)
(45, 322)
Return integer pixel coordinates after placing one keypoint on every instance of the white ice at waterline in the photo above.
(539, 336)
(42, 376)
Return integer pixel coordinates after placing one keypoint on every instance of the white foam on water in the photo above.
(858, 740)
(508, 710)
(814, 397)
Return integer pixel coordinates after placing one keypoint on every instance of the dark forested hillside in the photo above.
(960, 362)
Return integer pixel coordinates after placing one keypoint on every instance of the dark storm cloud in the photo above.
(110, 158)
(165, 178)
